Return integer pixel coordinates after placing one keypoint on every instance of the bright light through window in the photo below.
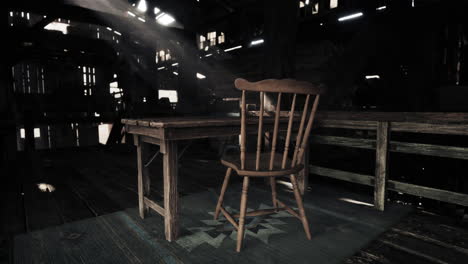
(233, 48)
(37, 133)
(352, 16)
(200, 76)
(257, 42)
(45, 187)
(156, 10)
(57, 26)
(104, 132)
(171, 94)
(142, 6)
(333, 4)
(165, 19)
(115, 90)
(368, 77)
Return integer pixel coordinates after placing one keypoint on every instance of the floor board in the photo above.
(339, 229)
(102, 182)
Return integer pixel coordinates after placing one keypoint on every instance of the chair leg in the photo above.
(300, 205)
(273, 192)
(221, 195)
(243, 208)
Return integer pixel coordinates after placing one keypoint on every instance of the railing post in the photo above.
(381, 164)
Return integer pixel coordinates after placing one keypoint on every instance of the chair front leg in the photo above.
(223, 190)
(300, 205)
(243, 208)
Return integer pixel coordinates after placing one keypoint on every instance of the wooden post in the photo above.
(381, 164)
(171, 203)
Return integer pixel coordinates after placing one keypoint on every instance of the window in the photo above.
(28, 78)
(212, 38)
(20, 18)
(221, 38)
(171, 94)
(333, 4)
(163, 55)
(315, 8)
(37, 133)
(114, 90)
(104, 132)
(202, 42)
(58, 26)
(89, 80)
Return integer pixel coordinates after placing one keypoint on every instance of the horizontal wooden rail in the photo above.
(416, 190)
(406, 117)
(395, 146)
(441, 129)
(386, 123)
(342, 175)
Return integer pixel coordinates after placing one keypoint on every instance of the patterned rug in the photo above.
(341, 223)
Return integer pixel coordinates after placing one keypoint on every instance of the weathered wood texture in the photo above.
(384, 124)
(430, 123)
(280, 86)
(405, 117)
(416, 190)
(270, 163)
(140, 168)
(156, 207)
(381, 165)
(122, 237)
(419, 238)
(433, 123)
(395, 146)
(171, 196)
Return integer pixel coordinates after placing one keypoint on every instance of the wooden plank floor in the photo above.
(97, 182)
(339, 229)
(421, 237)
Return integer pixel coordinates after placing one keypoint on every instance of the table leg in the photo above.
(303, 177)
(171, 199)
(141, 148)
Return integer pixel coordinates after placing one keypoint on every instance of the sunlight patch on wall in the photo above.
(171, 94)
(104, 132)
(45, 187)
(58, 26)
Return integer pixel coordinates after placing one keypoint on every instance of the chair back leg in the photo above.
(243, 208)
(273, 192)
(300, 205)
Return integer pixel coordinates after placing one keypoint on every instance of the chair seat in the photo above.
(233, 161)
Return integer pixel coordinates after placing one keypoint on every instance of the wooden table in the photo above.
(165, 132)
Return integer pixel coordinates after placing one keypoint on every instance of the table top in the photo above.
(194, 121)
(438, 118)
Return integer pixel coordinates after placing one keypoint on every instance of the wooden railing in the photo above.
(384, 123)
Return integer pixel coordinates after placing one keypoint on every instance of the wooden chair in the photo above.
(271, 164)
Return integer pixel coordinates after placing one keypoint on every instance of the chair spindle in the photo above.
(288, 134)
(300, 131)
(305, 140)
(243, 125)
(260, 131)
(275, 131)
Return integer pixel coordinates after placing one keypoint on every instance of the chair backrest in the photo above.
(280, 87)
